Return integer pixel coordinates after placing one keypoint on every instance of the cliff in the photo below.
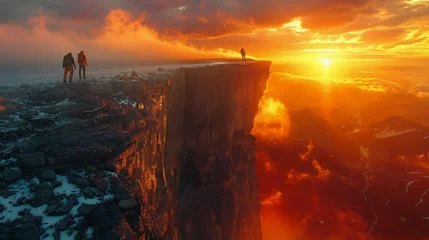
(172, 148)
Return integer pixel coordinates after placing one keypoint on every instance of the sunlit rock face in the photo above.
(196, 162)
(179, 140)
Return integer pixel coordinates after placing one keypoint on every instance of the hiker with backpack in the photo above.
(68, 64)
(81, 60)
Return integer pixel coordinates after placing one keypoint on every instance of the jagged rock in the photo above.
(31, 160)
(19, 202)
(99, 182)
(11, 175)
(64, 223)
(42, 231)
(68, 205)
(6, 193)
(56, 184)
(37, 187)
(24, 212)
(80, 225)
(57, 235)
(109, 223)
(85, 209)
(40, 197)
(27, 229)
(49, 175)
(81, 182)
(118, 189)
(88, 192)
(2, 208)
(127, 204)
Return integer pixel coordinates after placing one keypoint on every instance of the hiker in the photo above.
(243, 54)
(68, 64)
(81, 60)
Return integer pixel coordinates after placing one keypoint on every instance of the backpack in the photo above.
(67, 61)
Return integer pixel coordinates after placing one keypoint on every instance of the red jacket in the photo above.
(81, 60)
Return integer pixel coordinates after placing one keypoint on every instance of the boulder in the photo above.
(81, 182)
(127, 204)
(88, 192)
(99, 182)
(64, 223)
(11, 175)
(109, 223)
(40, 197)
(31, 160)
(49, 175)
(118, 189)
(85, 209)
(67, 207)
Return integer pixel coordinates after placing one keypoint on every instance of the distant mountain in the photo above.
(306, 126)
(331, 147)
(396, 136)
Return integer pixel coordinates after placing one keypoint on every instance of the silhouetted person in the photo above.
(68, 64)
(83, 64)
(243, 54)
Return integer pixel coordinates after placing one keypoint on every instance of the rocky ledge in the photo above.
(166, 155)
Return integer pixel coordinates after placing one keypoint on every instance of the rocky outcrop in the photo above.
(178, 140)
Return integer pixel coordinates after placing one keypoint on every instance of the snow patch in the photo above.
(408, 185)
(21, 188)
(387, 132)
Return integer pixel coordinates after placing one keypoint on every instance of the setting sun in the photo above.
(326, 62)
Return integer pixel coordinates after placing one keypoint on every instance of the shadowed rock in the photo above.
(31, 160)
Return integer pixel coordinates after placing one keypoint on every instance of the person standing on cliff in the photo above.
(68, 64)
(81, 60)
(243, 54)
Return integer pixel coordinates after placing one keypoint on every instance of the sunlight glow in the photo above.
(326, 62)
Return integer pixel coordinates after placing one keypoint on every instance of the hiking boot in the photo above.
(64, 81)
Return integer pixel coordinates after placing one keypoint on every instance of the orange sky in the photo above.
(346, 31)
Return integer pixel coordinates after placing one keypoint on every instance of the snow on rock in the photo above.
(14, 202)
(387, 132)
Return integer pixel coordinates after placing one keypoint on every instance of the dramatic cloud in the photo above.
(420, 90)
(274, 29)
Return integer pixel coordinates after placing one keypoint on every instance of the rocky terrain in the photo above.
(166, 155)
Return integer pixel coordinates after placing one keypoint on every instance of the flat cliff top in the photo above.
(49, 75)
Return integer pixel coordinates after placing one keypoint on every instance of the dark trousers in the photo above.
(82, 67)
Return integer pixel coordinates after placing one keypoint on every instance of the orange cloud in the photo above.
(272, 121)
(273, 199)
(122, 39)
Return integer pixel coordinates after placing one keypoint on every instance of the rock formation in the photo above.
(164, 156)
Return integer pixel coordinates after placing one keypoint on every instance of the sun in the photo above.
(326, 62)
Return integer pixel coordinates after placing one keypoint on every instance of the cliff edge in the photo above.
(166, 155)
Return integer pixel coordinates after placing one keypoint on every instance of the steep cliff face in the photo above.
(181, 144)
(197, 163)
